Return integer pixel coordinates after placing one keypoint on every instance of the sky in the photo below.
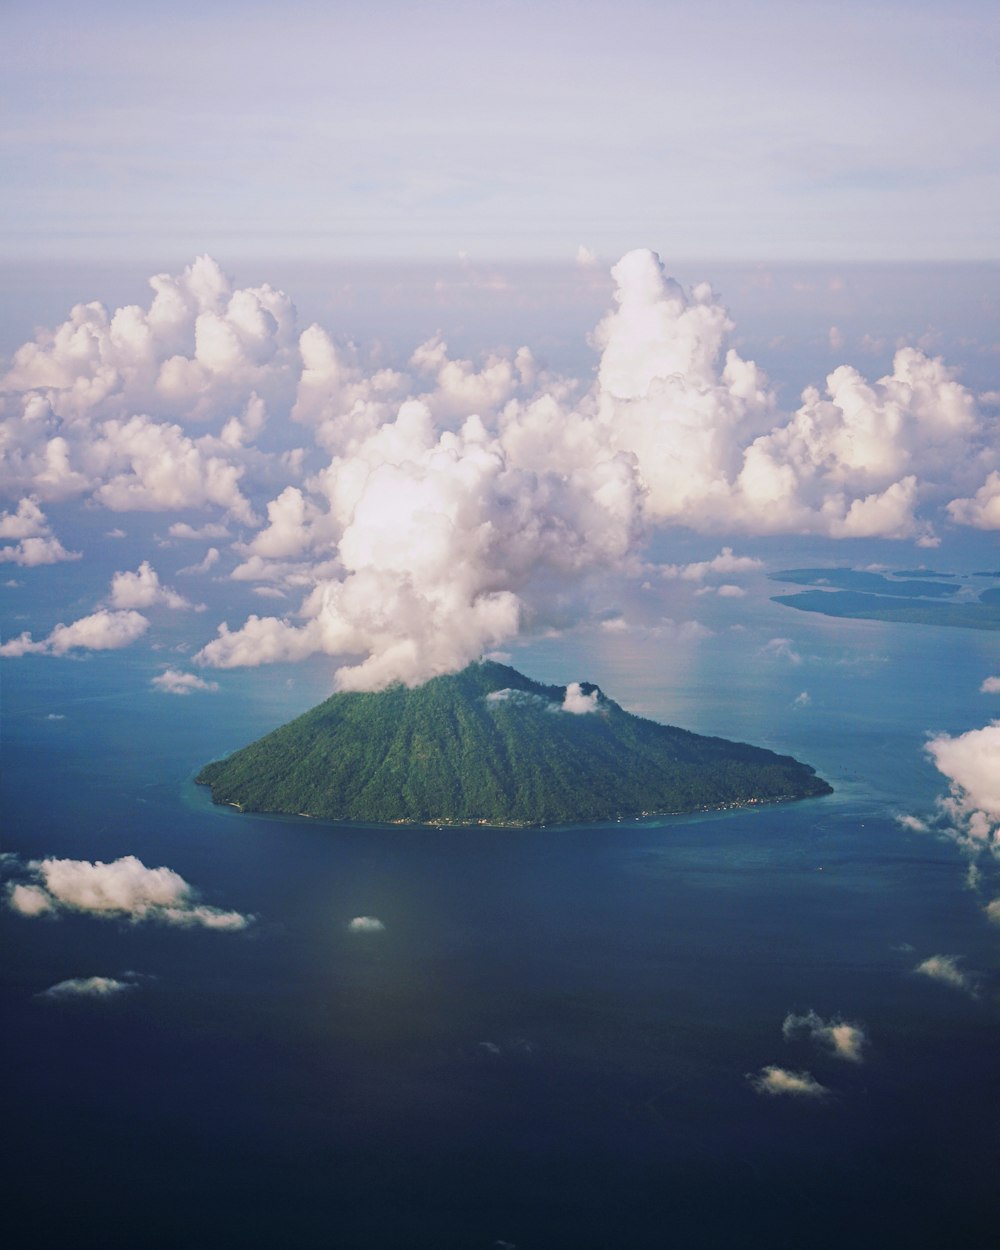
(781, 129)
(367, 481)
(377, 338)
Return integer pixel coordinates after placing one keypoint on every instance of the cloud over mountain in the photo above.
(440, 506)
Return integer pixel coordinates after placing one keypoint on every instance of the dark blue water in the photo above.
(548, 1044)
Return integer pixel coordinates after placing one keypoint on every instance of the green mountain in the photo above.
(490, 746)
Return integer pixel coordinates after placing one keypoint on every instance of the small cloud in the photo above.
(774, 1081)
(181, 529)
(782, 649)
(945, 968)
(836, 339)
(101, 631)
(366, 924)
(143, 589)
(115, 533)
(498, 657)
(122, 890)
(87, 987)
(839, 1037)
(724, 562)
(577, 703)
(55, 716)
(35, 543)
(803, 699)
(991, 685)
(520, 697)
(615, 625)
(585, 258)
(728, 591)
(173, 681)
(269, 592)
(913, 823)
(992, 910)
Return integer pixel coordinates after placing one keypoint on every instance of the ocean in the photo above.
(552, 1040)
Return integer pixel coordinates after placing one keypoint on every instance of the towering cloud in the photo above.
(446, 504)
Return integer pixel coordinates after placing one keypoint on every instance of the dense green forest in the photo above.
(490, 746)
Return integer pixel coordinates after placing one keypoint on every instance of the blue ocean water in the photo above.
(548, 1044)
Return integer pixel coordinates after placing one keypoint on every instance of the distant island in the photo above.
(862, 595)
(490, 746)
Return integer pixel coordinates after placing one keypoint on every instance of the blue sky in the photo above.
(768, 131)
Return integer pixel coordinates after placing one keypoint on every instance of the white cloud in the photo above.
(839, 1037)
(366, 924)
(206, 564)
(143, 589)
(87, 987)
(36, 544)
(782, 649)
(982, 510)
(122, 890)
(971, 762)
(775, 1082)
(142, 465)
(991, 685)
(174, 681)
(945, 968)
(578, 703)
(802, 699)
(101, 631)
(211, 529)
(913, 823)
(463, 501)
(724, 563)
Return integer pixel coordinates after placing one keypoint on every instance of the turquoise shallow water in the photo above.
(548, 1044)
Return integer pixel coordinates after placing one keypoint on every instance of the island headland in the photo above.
(489, 746)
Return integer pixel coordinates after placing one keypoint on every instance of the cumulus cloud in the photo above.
(143, 589)
(776, 1082)
(366, 924)
(971, 763)
(982, 510)
(87, 987)
(838, 1037)
(991, 685)
(36, 544)
(460, 502)
(782, 649)
(944, 968)
(724, 563)
(969, 814)
(174, 681)
(124, 889)
(103, 630)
